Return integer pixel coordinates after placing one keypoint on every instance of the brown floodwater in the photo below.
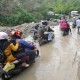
(59, 59)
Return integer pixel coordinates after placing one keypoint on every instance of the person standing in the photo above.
(78, 24)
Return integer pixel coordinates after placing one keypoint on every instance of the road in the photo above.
(59, 59)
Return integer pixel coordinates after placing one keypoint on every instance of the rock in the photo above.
(25, 28)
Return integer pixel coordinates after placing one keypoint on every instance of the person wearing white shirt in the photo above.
(78, 24)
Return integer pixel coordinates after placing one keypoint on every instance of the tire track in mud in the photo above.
(77, 44)
(76, 59)
(76, 52)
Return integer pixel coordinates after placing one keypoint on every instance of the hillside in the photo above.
(9, 6)
(21, 11)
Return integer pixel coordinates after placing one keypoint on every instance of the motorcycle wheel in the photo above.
(35, 37)
(65, 33)
(37, 53)
(4, 77)
(73, 26)
(53, 36)
(40, 41)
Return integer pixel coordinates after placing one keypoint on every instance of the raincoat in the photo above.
(63, 24)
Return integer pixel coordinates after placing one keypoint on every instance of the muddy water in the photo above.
(59, 59)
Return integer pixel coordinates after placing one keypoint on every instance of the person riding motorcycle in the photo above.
(64, 26)
(10, 50)
(47, 31)
(74, 22)
(25, 46)
(42, 29)
(50, 33)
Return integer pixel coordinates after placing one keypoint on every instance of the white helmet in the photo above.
(3, 35)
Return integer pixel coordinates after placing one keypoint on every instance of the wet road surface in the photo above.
(59, 59)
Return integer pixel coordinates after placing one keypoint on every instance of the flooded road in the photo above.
(59, 59)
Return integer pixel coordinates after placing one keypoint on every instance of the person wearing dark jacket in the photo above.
(68, 28)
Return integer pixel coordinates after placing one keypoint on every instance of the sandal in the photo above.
(25, 65)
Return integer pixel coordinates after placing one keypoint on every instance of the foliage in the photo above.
(14, 12)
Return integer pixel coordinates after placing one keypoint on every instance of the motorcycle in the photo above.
(66, 31)
(10, 69)
(74, 25)
(42, 39)
(34, 31)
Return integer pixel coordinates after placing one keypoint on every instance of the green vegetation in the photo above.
(14, 12)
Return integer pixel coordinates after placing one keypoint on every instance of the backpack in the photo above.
(2, 56)
(3, 45)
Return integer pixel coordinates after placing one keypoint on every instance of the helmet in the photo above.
(16, 33)
(45, 23)
(3, 35)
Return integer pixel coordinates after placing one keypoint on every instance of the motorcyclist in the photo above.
(42, 28)
(47, 31)
(25, 46)
(74, 22)
(10, 49)
(64, 26)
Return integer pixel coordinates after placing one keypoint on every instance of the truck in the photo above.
(74, 13)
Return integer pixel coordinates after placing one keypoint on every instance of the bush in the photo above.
(57, 16)
(37, 16)
(16, 19)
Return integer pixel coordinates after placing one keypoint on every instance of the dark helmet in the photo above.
(45, 23)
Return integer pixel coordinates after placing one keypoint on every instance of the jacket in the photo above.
(8, 48)
(63, 24)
